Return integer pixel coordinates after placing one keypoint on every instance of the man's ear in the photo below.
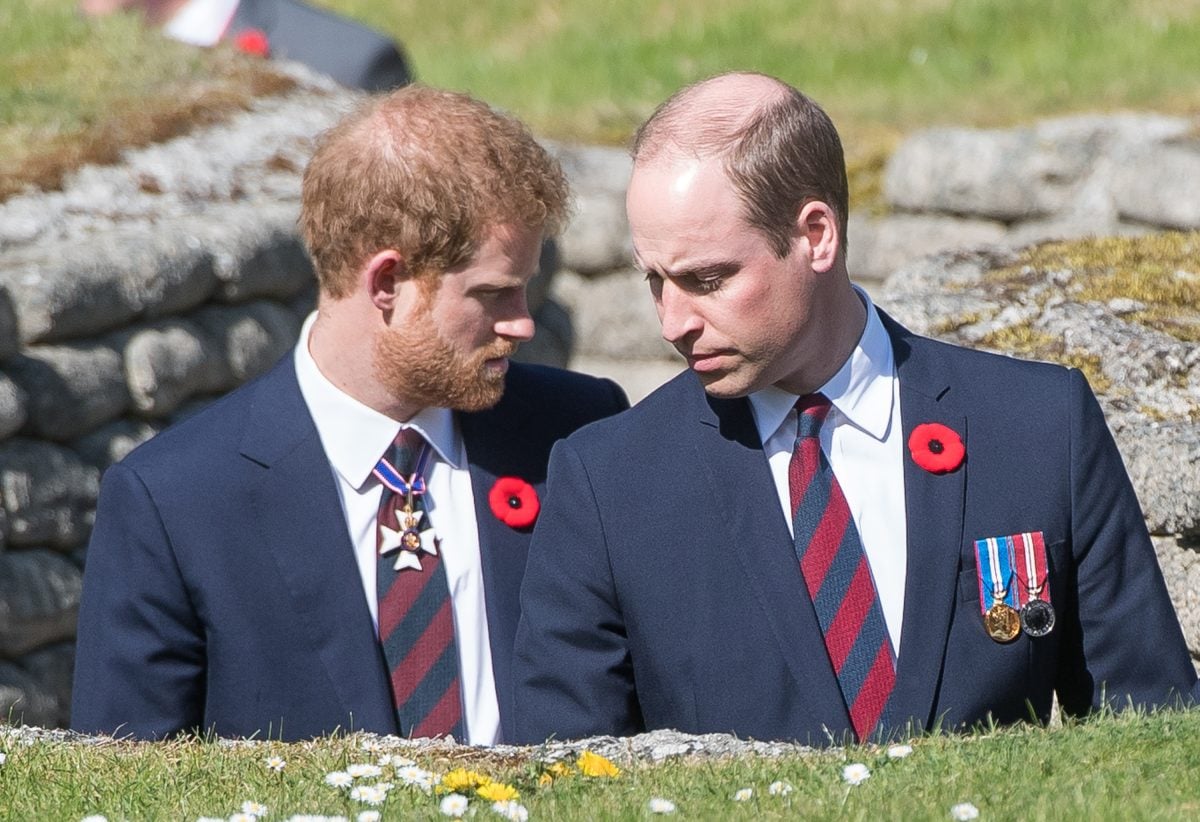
(382, 276)
(818, 226)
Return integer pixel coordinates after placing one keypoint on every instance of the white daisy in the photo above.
(372, 745)
(659, 805)
(256, 809)
(856, 773)
(368, 816)
(411, 774)
(743, 794)
(97, 817)
(899, 751)
(395, 761)
(368, 794)
(276, 764)
(339, 779)
(3, 757)
(779, 788)
(243, 817)
(454, 804)
(511, 810)
(363, 771)
(964, 811)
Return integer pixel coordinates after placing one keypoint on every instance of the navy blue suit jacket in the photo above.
(663, 590)
(221, 591)
(349, 52)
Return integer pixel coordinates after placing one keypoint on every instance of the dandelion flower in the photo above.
(964, 811)
(743, 795)
(339, 779)
(255, 809)
(591, 764)
(361, 771)
(460, 779)
(511, 810)
(779, 788)
(856, 774)
(454, 805)
(497, 792)
(276, 764)
(898, 751)
(368, 794)
(367, 816)
(659, 805)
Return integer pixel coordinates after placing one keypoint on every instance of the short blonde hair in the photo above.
(426, 172)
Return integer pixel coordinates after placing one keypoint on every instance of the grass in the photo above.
(590, 71)
(1113, 767)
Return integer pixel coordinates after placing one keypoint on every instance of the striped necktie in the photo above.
(837, 575)
(416, 620)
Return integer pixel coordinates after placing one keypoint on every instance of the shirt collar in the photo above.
(861, 390)
(354, 435)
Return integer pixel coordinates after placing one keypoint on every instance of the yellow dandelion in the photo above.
(544, 780)
(460, 780)
(591, 764)
(559, 769)
(497, 792)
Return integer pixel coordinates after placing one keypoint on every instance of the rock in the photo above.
(597, 238)
(258, 252)
(39, 600)
(62, 293)
(168, 362)
(114, 441)
(880, 245)
(52, 668)
(23, 700)
(1158, 186)
(10, 338)
(70, 388)
(1163, 461)
(552, 342)
(1180, 561)
(12, 406)
(48, 493)
(613, 316)
(250, 337)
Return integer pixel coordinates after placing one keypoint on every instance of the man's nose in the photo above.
(677, 314)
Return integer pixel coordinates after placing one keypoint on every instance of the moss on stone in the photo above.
(1023, 340)
(1160, 271)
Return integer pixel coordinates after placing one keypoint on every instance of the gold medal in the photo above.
(1002, 622)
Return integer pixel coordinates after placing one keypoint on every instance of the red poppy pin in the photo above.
(252, 41)
(936, 448)
(514, 502)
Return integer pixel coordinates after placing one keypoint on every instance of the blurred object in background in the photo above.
(349, 52)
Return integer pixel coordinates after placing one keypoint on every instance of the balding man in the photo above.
(339, 544)
(829, 528)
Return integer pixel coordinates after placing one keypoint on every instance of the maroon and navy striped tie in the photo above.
(416, 621)
(837, 575)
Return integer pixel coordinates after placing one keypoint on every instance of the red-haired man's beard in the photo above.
(417, 365)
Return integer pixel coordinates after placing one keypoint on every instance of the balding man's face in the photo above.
(738, 313)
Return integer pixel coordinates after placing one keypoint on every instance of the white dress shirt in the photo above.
(201, 22)
(354, 438)
(863, 440)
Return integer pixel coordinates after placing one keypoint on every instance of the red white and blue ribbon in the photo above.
(995, 564)
(386, 473)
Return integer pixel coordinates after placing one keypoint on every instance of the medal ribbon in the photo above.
(995, 564)
(1032, 570)
(393, 479)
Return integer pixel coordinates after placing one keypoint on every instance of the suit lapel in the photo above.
(496, 447)
(934, 512)
(729, 449)
(301, 522)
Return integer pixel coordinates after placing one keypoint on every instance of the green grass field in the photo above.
(1122, 768)
(590, 70)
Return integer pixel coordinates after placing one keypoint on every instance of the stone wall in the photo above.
(142, 290)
